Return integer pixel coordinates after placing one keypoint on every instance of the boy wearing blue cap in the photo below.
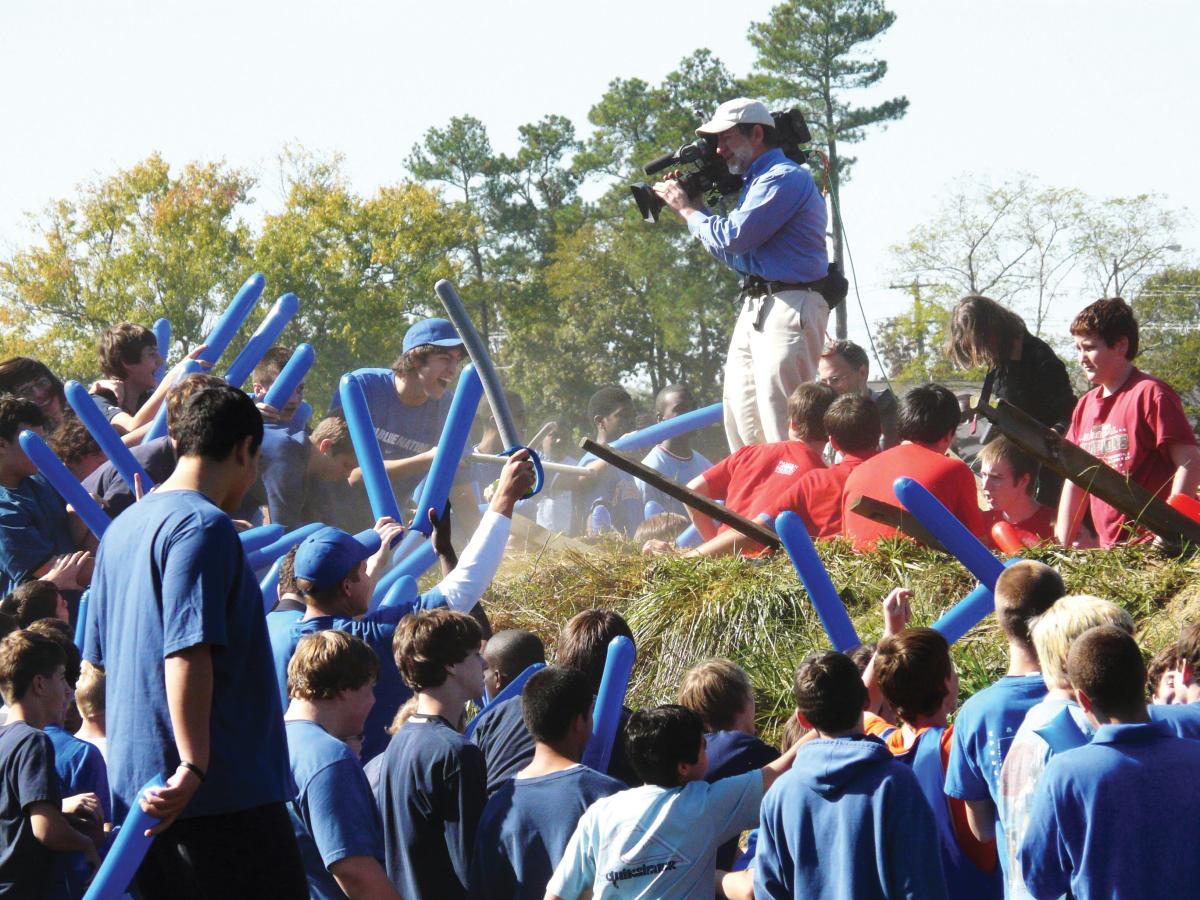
(331, 575)
(410, 401)
(176, 621)
(337, 824)
(1115, 818)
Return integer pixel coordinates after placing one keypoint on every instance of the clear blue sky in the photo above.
(1091, 94)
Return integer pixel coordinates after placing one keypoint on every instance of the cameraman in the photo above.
(775, 237)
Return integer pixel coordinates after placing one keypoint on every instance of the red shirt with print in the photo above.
(950, 480)
(751, 478)
(1131, 430)
(817, 497)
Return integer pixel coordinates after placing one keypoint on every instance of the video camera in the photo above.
(710, 175)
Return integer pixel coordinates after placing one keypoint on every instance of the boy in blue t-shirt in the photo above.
(176, 620)
(674, 457)
(35, 528)
(432, 783)
(849, 820)
(337, 824)
(527, 823)
(410, 401)
(33, 826)
(612, 414)
(1117, 817)
(987, 723)
(720, 692)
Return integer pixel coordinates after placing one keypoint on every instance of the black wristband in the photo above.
(193, 768)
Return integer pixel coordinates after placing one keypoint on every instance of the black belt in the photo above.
(754, 286)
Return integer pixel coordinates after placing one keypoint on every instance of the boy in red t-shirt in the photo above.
(1131, 421)
(852, 423)
(751, 478)
(1008, 477)
(929, 416)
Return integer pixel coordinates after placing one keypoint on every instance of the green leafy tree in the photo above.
(139, 245)
(813, 53)
(1168, 310)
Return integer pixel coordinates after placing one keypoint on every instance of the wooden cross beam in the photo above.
(895, 517)
(1091, 474)
(699, 502)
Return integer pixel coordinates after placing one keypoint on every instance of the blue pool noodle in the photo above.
(951, 533)
(231, 320)
(128, 850)
(366, 447)
(263, 339)
(618, 665)
(661, 431)
(264, 556)
(65, 483)
(162, 337)
(455, 434)
(290, 376)
(830, 609)
(106, 436)
(257, 538)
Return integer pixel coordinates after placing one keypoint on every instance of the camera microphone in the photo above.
(657, 165)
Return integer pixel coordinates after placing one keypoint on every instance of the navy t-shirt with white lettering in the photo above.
(171, 574)
(431, 792)
(27, 776)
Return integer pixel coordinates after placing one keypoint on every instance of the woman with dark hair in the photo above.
(1022, 369)
(32, 380)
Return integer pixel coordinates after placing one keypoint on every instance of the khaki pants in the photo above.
(764, 366)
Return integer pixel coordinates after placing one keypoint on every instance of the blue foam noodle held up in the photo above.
(232, 319)
(662, 431)
(264, 556)
(618, 665)
(830, 609)
(257, 538)
(290, 376)
(402, 592)
(435, 490)
(106, 437)
(162, 337)
(263, 339)
(366, 448)
(950, 532)
(65, 483)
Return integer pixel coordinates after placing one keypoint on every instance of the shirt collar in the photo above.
(764, 162)
(1139, 733)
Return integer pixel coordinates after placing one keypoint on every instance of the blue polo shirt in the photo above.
(1116, 818)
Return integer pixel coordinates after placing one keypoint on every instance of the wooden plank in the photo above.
(895, 517)
(699, 502)
(1091, 474)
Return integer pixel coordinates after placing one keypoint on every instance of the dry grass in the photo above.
(757, 613)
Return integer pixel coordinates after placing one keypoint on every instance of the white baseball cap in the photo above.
(739, 111)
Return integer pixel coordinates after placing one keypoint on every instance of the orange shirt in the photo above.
(982, 853)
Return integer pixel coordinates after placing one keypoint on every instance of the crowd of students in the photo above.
(326, 748)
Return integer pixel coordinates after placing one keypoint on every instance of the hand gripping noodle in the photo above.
(262, 340)
(510, 690)
(611, 697)
(457, 313)
(65, 483)
(662, 431)
(965, 547)
(231, 320)
(290, 376)
(158, 428)
(128, 850)
(830, 609)
(108, 440)
(366, 448)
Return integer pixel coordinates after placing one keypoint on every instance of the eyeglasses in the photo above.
(31, 389)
